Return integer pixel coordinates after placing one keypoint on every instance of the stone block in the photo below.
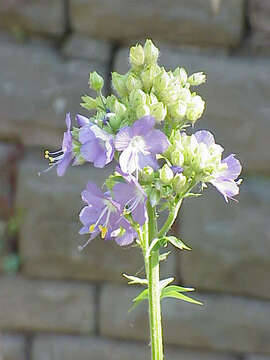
(223, 323)
(28, 305)
(70, 347)
(37, 89)
(196, 22)
(230, 242)
(259, 13)
(236, 94)
(33, 16)
(12, 347)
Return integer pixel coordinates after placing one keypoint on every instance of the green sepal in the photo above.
(191, 195)
(135, 280)
(112, 180)
(176, 242)
(164, 256)
(138, 299)
(155, 245)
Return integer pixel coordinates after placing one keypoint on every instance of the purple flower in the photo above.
(177, 169)
(62, 158)
(131, 196)
(139, 144)
(97, 145)
(103, 215)
(225, 180)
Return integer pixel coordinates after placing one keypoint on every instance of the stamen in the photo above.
(103, 230)
(92, 227)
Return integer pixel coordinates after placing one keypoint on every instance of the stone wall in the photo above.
(58, 303)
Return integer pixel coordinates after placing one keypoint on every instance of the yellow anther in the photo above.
(46, 152)
(46, 156)
(51, 159)
(103, 231)
(92, 227)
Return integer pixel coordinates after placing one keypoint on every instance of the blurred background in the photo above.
(57, 303)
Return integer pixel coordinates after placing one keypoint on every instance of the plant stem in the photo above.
(170, 220)
(152, 271)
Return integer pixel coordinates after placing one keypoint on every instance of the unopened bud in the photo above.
(179, 182)
(161, 81)
(137, 98)
(178, 110)
(177, 158)
(133, 83)
(96, 81)
(197, 79)
(159, 111)
(142, 110)
(119, 108)
(119, 84)
(195, 108)
(136, 56)
(166, 174)
(181, 75)
(146, 175)
(151, 52)
(148, 76)
(115, 121)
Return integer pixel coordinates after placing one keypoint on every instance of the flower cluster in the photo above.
(144, 128)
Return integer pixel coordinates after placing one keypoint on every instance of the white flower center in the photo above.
(138, 144)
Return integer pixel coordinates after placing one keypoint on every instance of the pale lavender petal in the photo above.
(177, 169)
(68, 121)
(204, 136)
(147, 160)
(86, 134)
(94, 190)
(126, 239)
(123, 193)
(123, 138)
(156, 141)
(64, 163)
(127, 161)
(67, 141)
(82, 120)
(227, 188)
(234, 168)
(139, 213)
(143, 125)
(88, 215)
(91, 150)
(101, 160)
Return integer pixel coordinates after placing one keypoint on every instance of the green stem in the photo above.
(152, 271)
(170, 220)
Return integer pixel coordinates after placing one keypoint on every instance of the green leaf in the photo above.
(164, 256)
(135, 280)
(176, 288)
(177, 242)
(192, 195)
(165, 282)
(176, 295)
(142, 296)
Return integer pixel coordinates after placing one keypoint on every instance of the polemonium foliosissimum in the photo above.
(139, 144)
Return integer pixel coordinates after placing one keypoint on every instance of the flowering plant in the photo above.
(145, 129)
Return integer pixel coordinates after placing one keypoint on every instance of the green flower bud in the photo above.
(184, 94)
(147, 175)
(177, 158)
(137, 98)
(162, 81)
(119, 108)
(89, 103)
(136, 56)
(197, 79)
(159, 111)
(179, 182)
(142, 110)
(166, 174)
(133, 83)
(151, 52)
(119, 84)
(181, 75)
(148, 75)
(110, 100)
(195, 108)
(178, 110)
(96, 81)
(115, 122)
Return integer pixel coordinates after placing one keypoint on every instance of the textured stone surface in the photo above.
(259, 14)
(35, 98)
(49, 236)
(224, 323)
(12, 347)
(230, 243)
(83, 47)
(196, 21)
(237, 108)
(69, 348)
(29, 305)
(46, 17)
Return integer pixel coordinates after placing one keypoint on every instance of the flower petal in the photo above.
(156, 141)
(91, 150)
(123, 138)
(82, 120)
(227, 188)
(86, 134)
(128, 161)
(147, 160)
(143, 125)
(204, 136)
(64, 163)
(234, 168)
(139, 213)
